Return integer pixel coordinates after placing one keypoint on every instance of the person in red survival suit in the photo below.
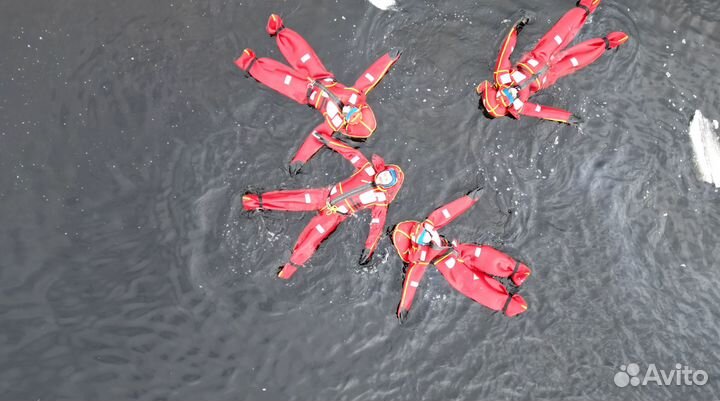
(549, 61)
(373, 186)
(308, 82)
(469, 268)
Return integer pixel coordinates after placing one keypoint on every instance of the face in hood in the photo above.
(386, 179)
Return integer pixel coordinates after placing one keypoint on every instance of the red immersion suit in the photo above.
(543, 66)
(308, 82)
(334, 204)
(471, 269)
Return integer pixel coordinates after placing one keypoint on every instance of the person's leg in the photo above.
(319, 228)
(559, 36)
(295, 200)
(480, 287)
(275, 75)
(296, 49)
(488, 260)
(581, 56)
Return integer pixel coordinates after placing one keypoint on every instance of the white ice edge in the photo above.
(706, 146)
(384, 4)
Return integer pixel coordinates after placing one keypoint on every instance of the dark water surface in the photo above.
(128, 271)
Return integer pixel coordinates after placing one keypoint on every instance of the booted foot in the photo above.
(615, 39)
(246, 60)
(519, 277)
(295, 167)
(274, 25)
(516, 306)
(287, 271)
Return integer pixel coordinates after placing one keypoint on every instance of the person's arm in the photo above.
(413, 276)
(377, 228)
(444, 215)
(354, 156)
(309, 148)
(377, 71)
(501, 72)
(503, 65)
(550, 113)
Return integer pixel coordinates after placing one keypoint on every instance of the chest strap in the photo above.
(535, 76)
(315, 84)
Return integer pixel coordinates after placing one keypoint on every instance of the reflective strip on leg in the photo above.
(574, 62)
(538, 108)
(423, 255)
(450, 263)
(353, 98)
(288, 79)
(354, 159)
(369, 77)
(558, 39)
(414, 284)
(304, 59)
(320, 229)
(307, 198)
(478, 251)
(446, 213)
(533, 62)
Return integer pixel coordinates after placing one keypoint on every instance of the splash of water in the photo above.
(706, 147)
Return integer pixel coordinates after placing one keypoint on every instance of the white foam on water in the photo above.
(384, 4)
(706, 145)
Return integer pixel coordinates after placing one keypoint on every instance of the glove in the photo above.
(287, 271)
(575, 120)
(365, 256)
(395, 52)
(475, 193)
(527, 19)
(295, 167)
